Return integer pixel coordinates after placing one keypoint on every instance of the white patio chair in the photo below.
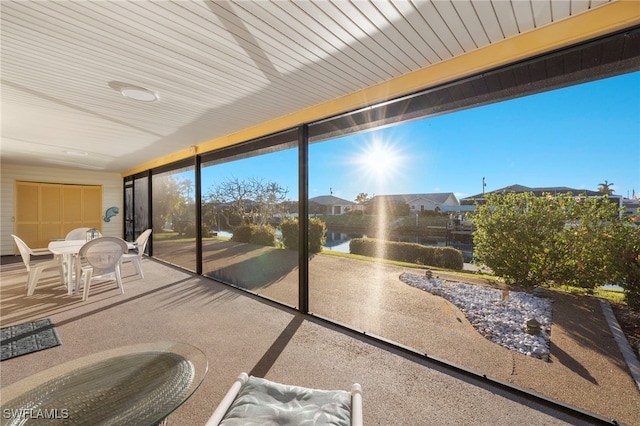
(35, 270)
(136, 257)
(78, 234)
(252, 400)
(100, 258)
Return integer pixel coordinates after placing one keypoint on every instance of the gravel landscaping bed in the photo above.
(499, 316)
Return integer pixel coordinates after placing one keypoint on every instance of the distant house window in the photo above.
(422, 208)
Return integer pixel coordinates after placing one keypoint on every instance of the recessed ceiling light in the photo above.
(138, 94)
(134, 92)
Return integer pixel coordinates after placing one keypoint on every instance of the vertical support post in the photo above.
(125, 205)
(149, 210)
(198, 204)
(303, 218)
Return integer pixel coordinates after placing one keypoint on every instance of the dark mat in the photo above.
(26, 338)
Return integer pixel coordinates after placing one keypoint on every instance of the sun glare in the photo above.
(379, 160)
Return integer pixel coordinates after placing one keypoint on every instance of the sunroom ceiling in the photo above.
(218, 67)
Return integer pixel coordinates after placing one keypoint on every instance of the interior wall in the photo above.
(10, 173)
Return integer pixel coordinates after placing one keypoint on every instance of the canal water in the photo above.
(339, 242)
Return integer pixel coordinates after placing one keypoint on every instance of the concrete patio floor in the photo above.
(240, 332)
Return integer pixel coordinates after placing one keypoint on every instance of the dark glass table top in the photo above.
(132, 385)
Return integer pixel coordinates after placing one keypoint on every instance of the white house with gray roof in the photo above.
(420, 202)
(329, 205)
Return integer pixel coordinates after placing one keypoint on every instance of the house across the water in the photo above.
(554, 190)
(415, 203)
(329, 205)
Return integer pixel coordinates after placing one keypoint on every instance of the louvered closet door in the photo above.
(45, 212)
(92, 211)
(27, 212)
(71, 208)
(50, 206)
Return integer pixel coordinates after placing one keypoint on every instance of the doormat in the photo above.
(26, 338)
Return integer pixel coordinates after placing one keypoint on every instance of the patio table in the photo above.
(132, 385)
(69, 250)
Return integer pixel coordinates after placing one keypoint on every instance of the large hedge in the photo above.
(317, 234)
(441, 257)
(263, 235)
(558, 239)
(628, 261)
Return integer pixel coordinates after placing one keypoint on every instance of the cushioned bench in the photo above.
(253, 400)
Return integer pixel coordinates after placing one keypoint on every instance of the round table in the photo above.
(132, 385)
(69, 249)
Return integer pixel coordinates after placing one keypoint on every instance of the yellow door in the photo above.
(50, 206)
(27, 212)
(71, 208)
(92, 207)
(46, 211)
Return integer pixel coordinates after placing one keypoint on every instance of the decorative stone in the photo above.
(532, 326)
(500, 321)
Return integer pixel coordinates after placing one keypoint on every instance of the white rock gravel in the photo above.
(500, 321)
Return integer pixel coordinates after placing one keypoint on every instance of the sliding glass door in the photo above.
(249, 209)
(174, 217)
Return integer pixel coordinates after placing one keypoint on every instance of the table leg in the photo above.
(72, 278)
(68, 261)
(78, 265)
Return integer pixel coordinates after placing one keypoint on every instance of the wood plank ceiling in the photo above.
(218, 67)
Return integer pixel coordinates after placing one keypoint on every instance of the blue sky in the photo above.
(577, 137)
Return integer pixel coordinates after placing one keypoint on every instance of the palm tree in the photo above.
(362, 198)
(605, 188)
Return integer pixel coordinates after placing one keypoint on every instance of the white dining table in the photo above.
(69, 250)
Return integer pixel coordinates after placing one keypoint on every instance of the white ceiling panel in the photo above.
(523, 15)
(441, 28)
(218, 67)
(560, 9)
(579, 6)
(471, 21)
(458, 28)
(426, 39)
(541, 13)
(489, 21)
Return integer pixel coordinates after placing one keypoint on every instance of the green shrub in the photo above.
(289, 229)
(440, 257)
(189, 231)
(407, 252)
(242, 234)
(632, 284)
(553, 240)
(362, 246)
(450, 258)
(263, 235)
(628, 260)
(317, 234)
